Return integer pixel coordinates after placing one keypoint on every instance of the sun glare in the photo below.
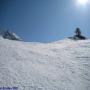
(83, 2)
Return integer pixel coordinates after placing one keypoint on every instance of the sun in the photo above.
(83, 2)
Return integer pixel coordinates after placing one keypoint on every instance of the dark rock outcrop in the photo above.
(9, 35)
(77, 35)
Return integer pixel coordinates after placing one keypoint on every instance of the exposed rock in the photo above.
(77, 35)
(9, 35)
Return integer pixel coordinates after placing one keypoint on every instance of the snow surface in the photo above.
(61, 65)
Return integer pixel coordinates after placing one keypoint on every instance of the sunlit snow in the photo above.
(60, 65)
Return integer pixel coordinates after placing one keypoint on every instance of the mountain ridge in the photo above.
(9, 35)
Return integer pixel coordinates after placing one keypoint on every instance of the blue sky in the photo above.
(44, 20)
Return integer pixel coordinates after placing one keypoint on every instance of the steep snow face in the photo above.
(9, 35)
(61, 65)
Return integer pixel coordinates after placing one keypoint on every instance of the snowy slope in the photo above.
(61, 65)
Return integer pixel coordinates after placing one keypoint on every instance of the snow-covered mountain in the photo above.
(9, 35)
(61, 65)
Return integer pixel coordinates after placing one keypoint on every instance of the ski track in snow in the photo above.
(61, 65)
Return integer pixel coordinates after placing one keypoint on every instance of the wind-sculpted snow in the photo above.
(61, 65)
